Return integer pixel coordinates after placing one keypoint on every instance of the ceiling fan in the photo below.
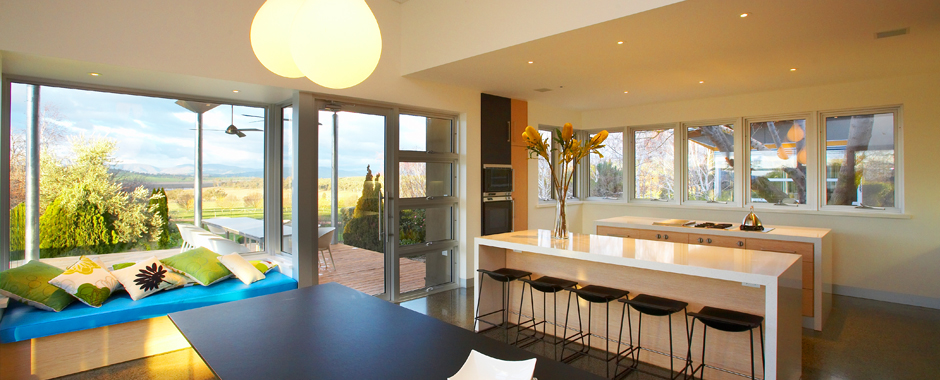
(233, 130)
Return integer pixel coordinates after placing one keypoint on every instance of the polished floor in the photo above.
(863, 339)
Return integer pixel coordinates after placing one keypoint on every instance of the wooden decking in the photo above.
(364, 271)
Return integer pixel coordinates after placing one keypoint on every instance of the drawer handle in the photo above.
(709, 241)
(659, 236)
(740, 243)
(666, 237)
(700, 240)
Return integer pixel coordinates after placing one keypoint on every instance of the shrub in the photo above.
(253, 200)
(363, 229)
(160, 222)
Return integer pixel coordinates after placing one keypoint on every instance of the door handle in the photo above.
(509, 131)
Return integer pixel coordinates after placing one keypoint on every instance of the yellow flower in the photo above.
(599, 138)
(532, 134)
(566, 132)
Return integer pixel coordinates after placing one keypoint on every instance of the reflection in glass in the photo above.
(425, 134)
(607, 172)
(287, 171)
(860, 160)
(420, 225)
(654, 152)
(425, 270)
(545, 171)
(778, 161)
(424, 179)
(711, 163)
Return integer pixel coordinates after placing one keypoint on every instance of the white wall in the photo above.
(889, 259)
(436, 32)
(173, 40)
(543, 217)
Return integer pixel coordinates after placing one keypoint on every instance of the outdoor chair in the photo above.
(323, 244)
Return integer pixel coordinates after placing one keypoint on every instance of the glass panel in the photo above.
(545, 171)
(18, 93)
(425, 270)
(711, 163)
(607, 173)
(421, 225)
(424, 179)
(860, 160)
(352, 207)
(654, 159)
(233, 174)
(287, 173)
(425, 134)
(778, 161)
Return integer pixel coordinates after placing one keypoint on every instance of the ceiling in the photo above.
(667, 51)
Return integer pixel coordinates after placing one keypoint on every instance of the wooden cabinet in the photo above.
(495, 129)
(673, 237)
(518, 120)
(619, 232)
(717, 241)
(520, 165)
(795, 247)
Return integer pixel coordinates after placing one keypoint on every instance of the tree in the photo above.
(184, 199)
(860, 130)
(160, 222)
(253, 200)
(51, 135)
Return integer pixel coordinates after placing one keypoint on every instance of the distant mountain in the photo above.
(216, 170)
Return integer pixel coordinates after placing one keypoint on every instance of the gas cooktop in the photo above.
(721, 226)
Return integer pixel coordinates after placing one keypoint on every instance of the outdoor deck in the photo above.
(363, 270)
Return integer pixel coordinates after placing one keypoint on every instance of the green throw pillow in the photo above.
(29, 284)
(200, 264)
(119, 266)
(264, 266)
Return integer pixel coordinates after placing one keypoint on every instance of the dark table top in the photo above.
(330, 331)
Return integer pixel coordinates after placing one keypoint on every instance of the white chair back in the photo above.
(325, 237)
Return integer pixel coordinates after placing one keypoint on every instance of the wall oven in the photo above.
(497, 214)
(497, 179)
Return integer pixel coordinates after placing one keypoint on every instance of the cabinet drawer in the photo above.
(717, 241)
(674, 237)
(808, 275)
(799, 248)
(619, 232)
(808, 302)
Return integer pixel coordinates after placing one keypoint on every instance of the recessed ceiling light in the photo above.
(793, 69)
(619, 42)
(626, 92)
(701, 81)
(235, 91)
(94, 74)
(531, 62)
(744, 15)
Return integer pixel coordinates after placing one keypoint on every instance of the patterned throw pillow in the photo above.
(264, 266)
(147, 277)
(87, 281)
(29, 284)
(200, 264)
(119, 266)
(241, 268)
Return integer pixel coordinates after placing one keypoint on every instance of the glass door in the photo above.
(351, 197)
(425, 212)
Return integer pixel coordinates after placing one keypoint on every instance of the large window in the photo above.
(860, 159)
(287, 177)
(654, 163)
(710, 163)
(117, 172)
(546, 187)
(778, 161)
(606, 181)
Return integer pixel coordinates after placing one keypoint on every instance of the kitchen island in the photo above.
(756, 282)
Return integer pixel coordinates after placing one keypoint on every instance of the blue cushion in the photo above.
(23, 322)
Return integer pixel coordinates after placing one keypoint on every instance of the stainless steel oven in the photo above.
(497, 179)
(497, 213)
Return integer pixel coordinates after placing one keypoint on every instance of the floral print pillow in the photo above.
(147, 277)
(87, 281)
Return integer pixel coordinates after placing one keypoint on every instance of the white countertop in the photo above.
(805, 234)
(757, 267)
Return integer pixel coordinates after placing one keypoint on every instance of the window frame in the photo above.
(821, 146)
(631, 178)
(811, 140)
(576, 181)
(738, 170)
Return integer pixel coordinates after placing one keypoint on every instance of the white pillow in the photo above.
(147, 277)
(87, 281)
(241, 268)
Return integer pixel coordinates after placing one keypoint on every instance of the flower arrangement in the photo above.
(570, 153)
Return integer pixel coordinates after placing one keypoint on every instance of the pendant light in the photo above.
(334, 43)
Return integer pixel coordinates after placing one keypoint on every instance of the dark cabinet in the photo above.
(496, 129)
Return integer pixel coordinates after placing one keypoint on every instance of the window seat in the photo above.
(22, 322)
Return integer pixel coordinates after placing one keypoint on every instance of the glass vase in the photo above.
(560, 229)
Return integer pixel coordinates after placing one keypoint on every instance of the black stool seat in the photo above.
(505, 274)
(653, 305)
(599, 294)
(727, 320)
(546, 284)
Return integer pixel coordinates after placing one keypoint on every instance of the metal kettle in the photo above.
(751, 222)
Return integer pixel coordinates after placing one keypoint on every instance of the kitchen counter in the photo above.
(788, 233)
(757, 282)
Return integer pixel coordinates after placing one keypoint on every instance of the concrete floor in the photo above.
(863, 339)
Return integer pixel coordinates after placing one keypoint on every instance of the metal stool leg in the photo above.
(479, 297)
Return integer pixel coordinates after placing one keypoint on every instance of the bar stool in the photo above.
(544, 285)
(730, 321)
(593, 294)
(505, 276)
(659, 307)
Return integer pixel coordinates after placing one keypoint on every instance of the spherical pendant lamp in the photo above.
(270, 36)
(335, 43)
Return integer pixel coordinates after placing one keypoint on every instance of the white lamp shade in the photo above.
(335, 43)
(270, 36)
